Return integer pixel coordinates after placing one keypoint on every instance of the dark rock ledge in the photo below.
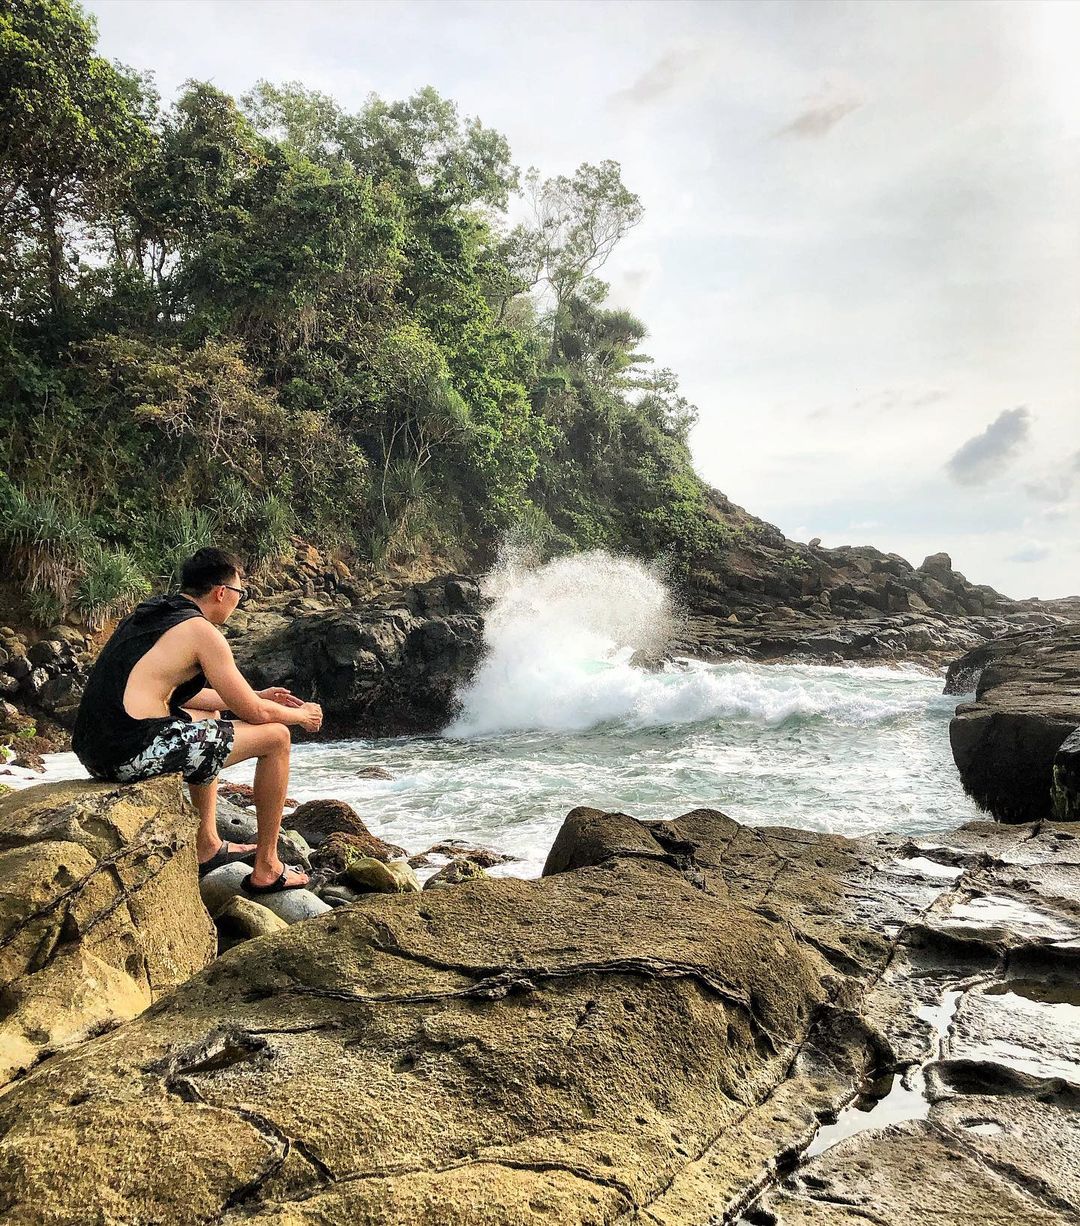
(1010, 743)
(652, 1032)
(381, 670)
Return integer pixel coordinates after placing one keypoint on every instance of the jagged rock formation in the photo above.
(1027, 703)
(645, 1032)
(380, 671)
(761, 571)
(769, 598)
(99, 911)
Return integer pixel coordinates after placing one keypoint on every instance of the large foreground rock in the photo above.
(99, 910)
(1027, 703)
(642, 1035)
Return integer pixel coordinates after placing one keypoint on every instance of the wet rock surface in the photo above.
(1027, 704)
(653, 1031)
(984, 1126)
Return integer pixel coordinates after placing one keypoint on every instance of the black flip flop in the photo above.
(222, 857)
(275, 887)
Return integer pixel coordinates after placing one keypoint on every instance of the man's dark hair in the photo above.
(206, 569)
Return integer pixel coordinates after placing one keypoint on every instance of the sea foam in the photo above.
(560, 644)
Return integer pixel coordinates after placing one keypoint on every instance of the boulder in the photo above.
(375, 876)
(1027, 704)
(373, 772)
(99, 913)
(379, 671)
(224, 884)
(337, 851)
(1066, 780)
(237, 826)
(938, 566)
(318, 819)
(485, 857)
(454, 873)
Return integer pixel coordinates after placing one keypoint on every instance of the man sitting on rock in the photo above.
(153, 704)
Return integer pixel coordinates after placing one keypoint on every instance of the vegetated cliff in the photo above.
(309, 322)
(658, 1026)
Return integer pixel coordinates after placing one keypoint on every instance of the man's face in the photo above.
(230, 596)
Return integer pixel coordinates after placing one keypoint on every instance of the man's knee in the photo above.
(278, 738)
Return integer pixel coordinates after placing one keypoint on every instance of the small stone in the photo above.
(373, 876)
(18, 666)
(373, 772)
(56, 691)
(8, 685)
(243, 919)
(338, 895)
(456, 872)
(293, 848)
(68, 635)
(337, 851)
(36, 681)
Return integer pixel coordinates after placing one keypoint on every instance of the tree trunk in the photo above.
(54, 252)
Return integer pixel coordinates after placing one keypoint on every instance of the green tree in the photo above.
(579, 221)
(73, 129)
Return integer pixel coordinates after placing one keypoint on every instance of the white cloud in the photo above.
(821, 114)
(988, 454)
(1033, 552)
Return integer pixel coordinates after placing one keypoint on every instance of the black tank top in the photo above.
(105, 735)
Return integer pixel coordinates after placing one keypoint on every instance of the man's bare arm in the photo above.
(206, 700)
(216, 661)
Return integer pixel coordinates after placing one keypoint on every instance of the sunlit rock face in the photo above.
(649, 1026)
(99, 910)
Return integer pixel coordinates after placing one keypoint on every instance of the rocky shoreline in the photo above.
(384, 656)
(679, 1022)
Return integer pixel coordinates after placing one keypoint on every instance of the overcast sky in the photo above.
(861, 245)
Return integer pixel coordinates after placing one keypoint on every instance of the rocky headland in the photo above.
(680, 1022)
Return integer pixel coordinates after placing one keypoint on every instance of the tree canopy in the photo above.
(272, 317)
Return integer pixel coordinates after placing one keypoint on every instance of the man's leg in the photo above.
(270, 744)
(204, 798)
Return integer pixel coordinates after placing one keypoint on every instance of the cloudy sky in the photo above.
(861, 246)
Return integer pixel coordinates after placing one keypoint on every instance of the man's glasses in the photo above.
(242, 592)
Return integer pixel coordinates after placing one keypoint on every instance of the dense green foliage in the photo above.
(258, 320)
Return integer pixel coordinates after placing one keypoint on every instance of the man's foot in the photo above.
(288, 878)
(227, 853)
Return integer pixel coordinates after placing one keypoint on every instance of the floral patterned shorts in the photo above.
(196, 749)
